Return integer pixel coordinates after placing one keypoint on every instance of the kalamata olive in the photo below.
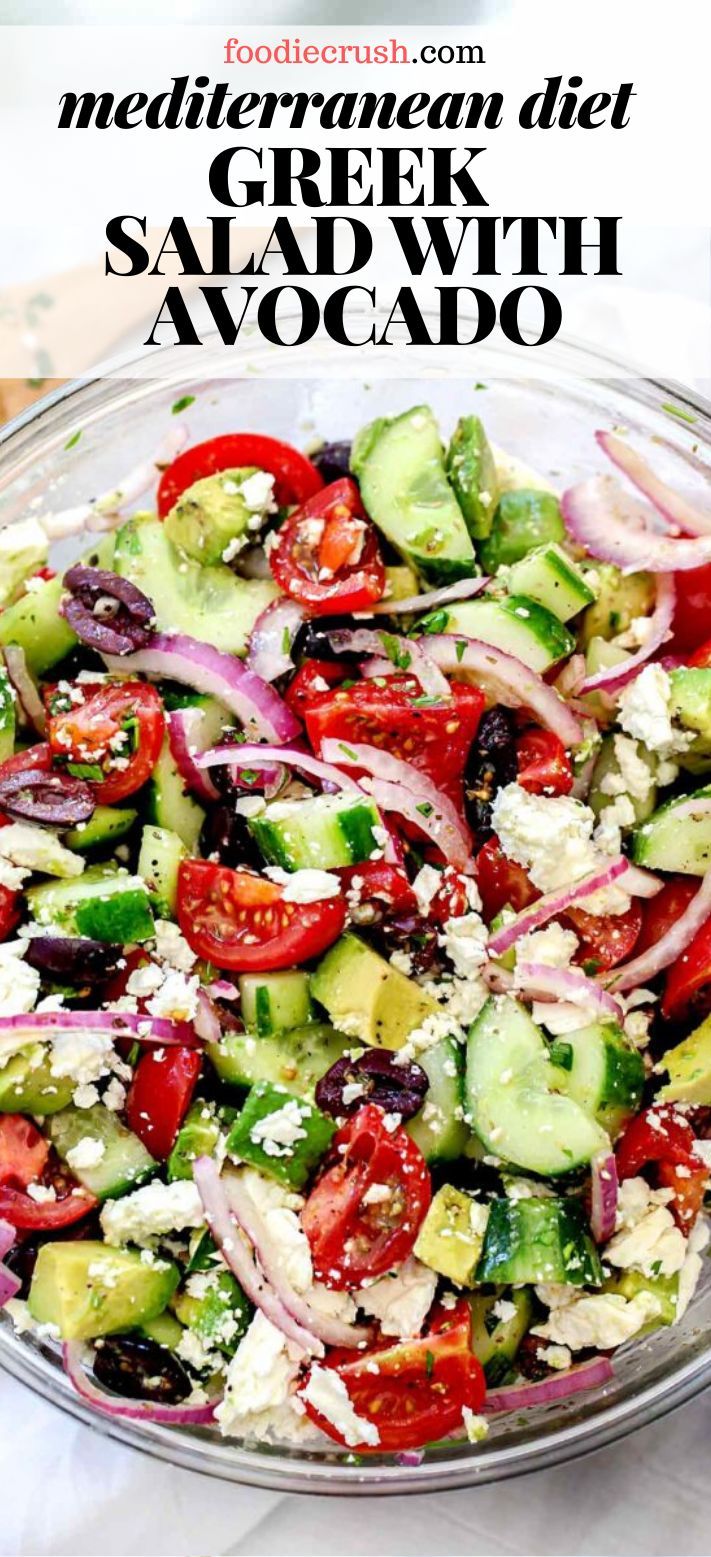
(333, 461)
(491, 764)
(311, 641)
(397, 1086)
(138, 1367)
(225, 833)
(412, 934)
(74, 958)
(107, 612)
(57, 799)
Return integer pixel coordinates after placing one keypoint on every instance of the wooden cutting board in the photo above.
(17, 393)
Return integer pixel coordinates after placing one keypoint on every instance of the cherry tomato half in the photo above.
(605, 939)
(312, 678)
(544, 767)
(240, 921)
(117, 731)
(501, 881)
(23, 1151)
(692, 611)
(413, 1392)
(29, 1215)
(159, 1096)
(662, 1136)
(328, 556)
(380, 883)
(295, 478)
(351, 1239)
(687, 987)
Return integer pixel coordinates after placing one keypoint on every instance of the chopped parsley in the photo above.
(182, 404)
(677, 410)
(460, 649)
(398, 656)
(71, 442)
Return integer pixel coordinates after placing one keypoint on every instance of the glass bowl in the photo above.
(548, 422)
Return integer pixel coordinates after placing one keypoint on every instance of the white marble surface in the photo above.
(67, 1490)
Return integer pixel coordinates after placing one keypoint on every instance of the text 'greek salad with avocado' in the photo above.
(355, 922)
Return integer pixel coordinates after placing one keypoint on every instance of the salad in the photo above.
(355, 933)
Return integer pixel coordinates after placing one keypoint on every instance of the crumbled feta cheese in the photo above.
(35, 848)
(432, 1030)
(41, 1192)
(551, 836)
(327, 1393)
(12, 876)
(476, 1427)
(257, 492)
(402, 961)
(86, 1095)
(644, 707)
(601, 1320)
(311, 886)
(259, 1380)
(83, 1056)
(504, 1311)
(115, 1095)
(145, 980)
(647, 1238)
(558, 1357)
(19, 983)
(277, 1133)
(401, 1301)
(177, 998)
(691, 1269)
(87, 1153)
(151, 1212)
(554, 946)
(425, 886)
(172, 947)
(464, 941)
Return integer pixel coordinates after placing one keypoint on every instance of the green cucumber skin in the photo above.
(524, 519)
(471, 469)
(662, 844)
(125, 1164)
(538, 1240)
(295, 1060)
(322, 837)
(107, 826)
(442, 1139)
(273, 1003)
(404, 486)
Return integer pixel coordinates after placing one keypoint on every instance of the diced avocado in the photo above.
(27, 1085)
(165, 1329)
(105, 826)
(323, 833)
(169, 805)
(105, 904)
(607, 781)
(210, 604)
(368, 998)
(630, 1283)
(295, 1060)
(667, 841)
(218, 1312)
(23, 549)
(214, 512)
(124, 1162)
(7, 716)
(539, 1240)
(688, 1067)
(691, 708)
(282, 1135)
(404, 486)
(496, 1339)
(602, 1071)
(524, 519)
(451, 1237)
(516, 624)
(620, 598)
(514, 475)
(89, 1288)
(197, 1137)
(439, 1129)
(547, 574)
(400, 582)
(273, 1002)
(159, 861)
(472, 472)
(601, 655)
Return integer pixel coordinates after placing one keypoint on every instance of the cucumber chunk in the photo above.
(513, 1107)
(106, 826)
(495, 1341)
(273, 1002)
(295, 1060)
(439, 1129)
(323, 833)
(105, 904)
(472, 471)
(282, 1135)
(691, 707)
(524, 519)
(603, 1073)
(546, 1240)
(517, 625)
(219, 1312)
(159, 861)
(620, 598)
(549, 576)
(124, 1162)
(27, 1085)
(168, 804)
(211, 514)
(666, 842)
(606, 765)
(89, 1288)
(404, 486)
(197, 1137)
(7, 717)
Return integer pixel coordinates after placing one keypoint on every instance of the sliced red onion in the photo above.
(539, 981)
(251, 756)
(329, 1331)
(604, 1192)
(272, 637)
(75, 1356)
(572, 676)
(205, 669)
(222, 989)
(10, 1285)
(102, 512)
(207, 1022)
(553, 903)
(640, 882)
(599, 516)
(241, 1260)
(518, 1397)
(8, 1234)
(508, 680)
(400, 787)
(410, 656)
(184, 731)
(668, 503)
(671, 945)
(30, 700)
(39, 1026)
(464, 589)
(616, 676)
